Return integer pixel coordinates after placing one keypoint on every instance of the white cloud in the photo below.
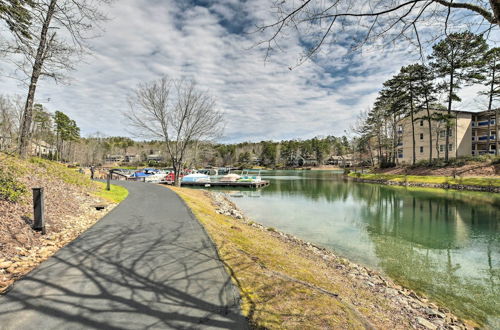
(261, 100)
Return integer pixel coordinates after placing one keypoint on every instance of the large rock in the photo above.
(426, 324)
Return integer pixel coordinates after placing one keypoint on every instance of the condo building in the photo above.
(468, 136)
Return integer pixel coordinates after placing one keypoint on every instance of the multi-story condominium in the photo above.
(468, 135)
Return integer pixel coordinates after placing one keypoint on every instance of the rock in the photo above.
(425, 323)
(5, 264)
(434, 313)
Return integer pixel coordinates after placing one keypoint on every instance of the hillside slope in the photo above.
(70, 200)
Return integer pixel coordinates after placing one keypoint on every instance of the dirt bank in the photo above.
(70, 209)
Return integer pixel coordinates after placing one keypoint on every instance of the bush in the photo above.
(387, 164)
(11, 190)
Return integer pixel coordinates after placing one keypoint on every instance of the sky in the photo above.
(214, 42)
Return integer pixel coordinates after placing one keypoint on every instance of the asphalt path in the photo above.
(148, 264)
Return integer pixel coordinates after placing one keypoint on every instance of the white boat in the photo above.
(231, 177)
(250, 176)
(196, 177)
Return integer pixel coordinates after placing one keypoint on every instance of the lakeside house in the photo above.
(468, 136)
(42, 149)
(122, 158)
(154, 158)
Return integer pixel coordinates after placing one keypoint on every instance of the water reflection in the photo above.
(443, 243)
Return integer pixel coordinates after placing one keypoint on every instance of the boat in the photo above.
(231, 177)
(250, 176)
(196, 177)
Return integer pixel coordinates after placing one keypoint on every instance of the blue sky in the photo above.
(211, 42)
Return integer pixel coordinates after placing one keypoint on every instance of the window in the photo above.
(441, 147)
(421, 136)
(421, 149)
(400, 153)
(443, 133)
(421, 123)
(450, 147)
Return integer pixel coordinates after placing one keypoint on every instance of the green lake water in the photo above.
(445, 244)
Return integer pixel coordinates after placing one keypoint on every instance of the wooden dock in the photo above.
(260, 184)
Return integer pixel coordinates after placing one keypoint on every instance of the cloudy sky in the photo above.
(211, 41)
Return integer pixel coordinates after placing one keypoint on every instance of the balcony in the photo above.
(483, 123)
(483, 138)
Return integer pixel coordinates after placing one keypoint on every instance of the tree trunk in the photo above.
(429, 122)
(412, 125)
(496, 132)
(24, 137)
(177, 173)
(490, 105)
(446, 153)
(495, 6)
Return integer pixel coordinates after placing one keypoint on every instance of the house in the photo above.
(115, 158)
(131, 158)
(154, 158)
(42, 148)
(468, 135)
(341, 161)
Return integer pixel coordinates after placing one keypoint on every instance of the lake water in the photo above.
(445, 244)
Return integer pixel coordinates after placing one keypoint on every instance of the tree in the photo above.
(16, 14)
(177, 112)
(66, 130)
(491, 70)
(457, 60)
(426, 93)
(382, 22)
(269, 153)
(58, 35)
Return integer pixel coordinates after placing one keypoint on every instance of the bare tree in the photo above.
(381, 22)
(58, 36)
(176, 112)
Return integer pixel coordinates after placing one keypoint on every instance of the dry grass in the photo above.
(284, 285)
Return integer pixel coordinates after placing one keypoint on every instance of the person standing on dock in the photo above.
(92, 170)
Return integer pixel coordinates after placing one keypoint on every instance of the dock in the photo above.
(260, 184)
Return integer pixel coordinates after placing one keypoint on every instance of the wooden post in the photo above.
(39, 210)
(108, 187)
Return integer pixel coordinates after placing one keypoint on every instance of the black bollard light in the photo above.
(39, 210)
(108, 183)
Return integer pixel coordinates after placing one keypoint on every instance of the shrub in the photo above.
(11, 190)
(387, 164)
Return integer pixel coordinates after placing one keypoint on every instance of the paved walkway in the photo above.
(147, 264)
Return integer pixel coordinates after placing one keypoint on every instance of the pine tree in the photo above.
(492, 73)
(457, 60)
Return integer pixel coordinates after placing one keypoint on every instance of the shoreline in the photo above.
(402, 182)
(420, 312)
(372, 277)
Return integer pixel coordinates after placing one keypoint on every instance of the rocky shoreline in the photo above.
(425, 314)
(493, 189)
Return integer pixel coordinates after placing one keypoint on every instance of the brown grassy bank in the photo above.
(287, 283)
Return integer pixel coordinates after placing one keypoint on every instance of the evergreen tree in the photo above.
(17, 15)
(426, 95)
(492, 82)
(457, 60)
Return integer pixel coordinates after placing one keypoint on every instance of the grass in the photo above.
(115, 195)
(470, 181)
(279, 280)
(60, 171)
